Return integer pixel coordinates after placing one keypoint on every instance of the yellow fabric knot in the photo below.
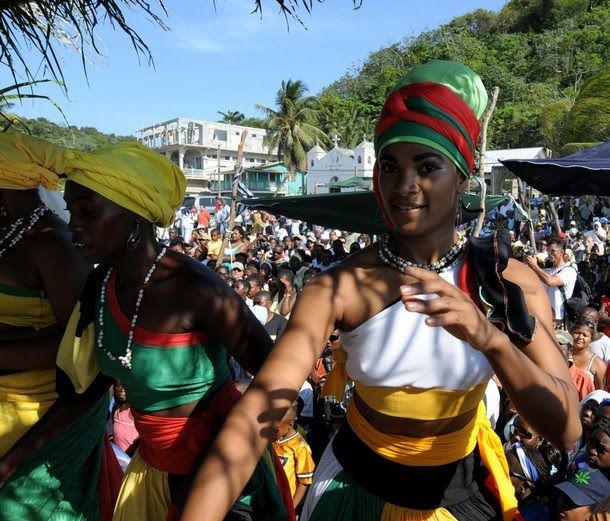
(26, 162)
(132, 176)
(336, 379)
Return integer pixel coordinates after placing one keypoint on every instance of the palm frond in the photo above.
(44, 26)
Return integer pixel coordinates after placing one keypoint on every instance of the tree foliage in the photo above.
(539, 53)
(292, 126)
(83, 138)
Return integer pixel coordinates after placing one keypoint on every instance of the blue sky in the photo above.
(229, 59)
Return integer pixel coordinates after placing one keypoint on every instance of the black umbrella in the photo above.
(585, 173)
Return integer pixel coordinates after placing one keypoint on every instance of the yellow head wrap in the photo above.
(26, 162)
(132, 176)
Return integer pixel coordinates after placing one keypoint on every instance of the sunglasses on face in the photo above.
(523, 434)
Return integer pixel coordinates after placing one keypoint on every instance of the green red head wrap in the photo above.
(437, 104)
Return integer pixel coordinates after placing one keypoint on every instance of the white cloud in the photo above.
(226, 29)
(192, 41)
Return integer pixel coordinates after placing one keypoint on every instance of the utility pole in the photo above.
(218, 160)
(484, 125)
(240, 156)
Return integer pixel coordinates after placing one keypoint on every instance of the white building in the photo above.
(202, 149)
(495, 172)
(338, 164)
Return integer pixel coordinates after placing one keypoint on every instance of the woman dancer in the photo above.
(41, 277)
(419, 347)
(160, 322)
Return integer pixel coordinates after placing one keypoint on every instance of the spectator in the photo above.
(559, 278)
(295, 455)
(600, 344)
(275, 324)
(581, 494)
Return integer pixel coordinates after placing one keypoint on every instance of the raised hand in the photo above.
(453, 309)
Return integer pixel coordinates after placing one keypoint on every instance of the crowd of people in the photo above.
(268, 260)
(280, 369)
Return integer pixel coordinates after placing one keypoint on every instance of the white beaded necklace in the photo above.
(443, 264)
(125, 360)
(18, 229)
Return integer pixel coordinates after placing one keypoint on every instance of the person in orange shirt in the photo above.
(584, 385)
(295, 455)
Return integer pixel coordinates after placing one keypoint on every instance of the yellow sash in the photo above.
(24, 398)
(421, 404)
(443, 449)
(25, 308)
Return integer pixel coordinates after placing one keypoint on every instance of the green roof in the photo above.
(276, 168)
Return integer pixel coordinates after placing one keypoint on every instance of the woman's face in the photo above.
(598, 450)
(100, 228)
(236, 235)
(582, 337)
(419, 188)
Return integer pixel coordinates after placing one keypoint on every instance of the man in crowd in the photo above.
(559, 278)
(275, 324)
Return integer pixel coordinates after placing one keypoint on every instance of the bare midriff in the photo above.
(410, 426)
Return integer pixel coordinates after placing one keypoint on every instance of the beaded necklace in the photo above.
(19, 228)
(443, 264)
(125, 360)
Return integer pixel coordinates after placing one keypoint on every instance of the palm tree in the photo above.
(571, 124)
(292, 126)
(233, 117)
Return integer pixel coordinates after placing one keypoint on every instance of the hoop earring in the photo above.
(134, 237)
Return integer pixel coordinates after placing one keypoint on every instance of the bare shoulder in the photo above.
(192, 277)
(357, 287)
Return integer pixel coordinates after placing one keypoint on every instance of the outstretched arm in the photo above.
(248, 429)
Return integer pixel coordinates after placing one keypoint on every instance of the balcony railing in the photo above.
(254, 186)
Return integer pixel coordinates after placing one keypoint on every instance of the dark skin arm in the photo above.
(232, 458)
(61, 272)
(299, 494)
(224, 313)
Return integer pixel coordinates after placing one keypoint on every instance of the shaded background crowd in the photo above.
(268, 259)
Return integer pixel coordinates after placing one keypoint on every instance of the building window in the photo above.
(369, 160)
(227, 158)
(359, 160)
(311, 163)
(237, 133)
(253, 135)
(219, 135)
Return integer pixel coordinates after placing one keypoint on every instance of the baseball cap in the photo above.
(237, 266)
(297, 237)
(586, 487)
